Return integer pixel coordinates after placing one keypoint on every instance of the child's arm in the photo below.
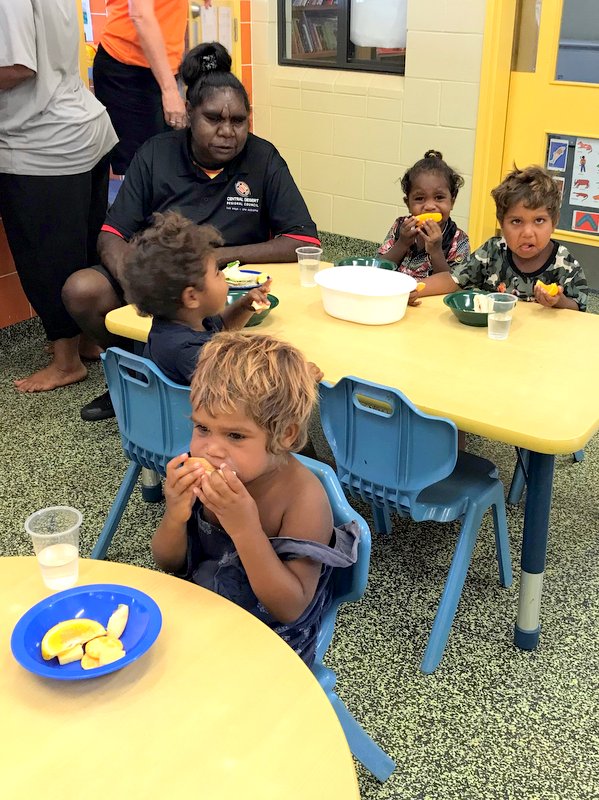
(285, 589)
(169, 543)
(440, 283)
(433, 240)
(238, 313)
(406, 236)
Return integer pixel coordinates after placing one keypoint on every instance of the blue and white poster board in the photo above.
(585, 174)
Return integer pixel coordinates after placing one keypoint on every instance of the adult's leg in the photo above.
(89, 295)
(134, 103)
(46, 219)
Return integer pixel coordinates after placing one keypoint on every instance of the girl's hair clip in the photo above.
(209, 62)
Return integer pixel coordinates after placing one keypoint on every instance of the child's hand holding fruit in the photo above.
(182, 474)
(227, 498)
(547, 295)
(257, 299)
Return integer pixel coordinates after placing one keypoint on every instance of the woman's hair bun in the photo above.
(203, 59)
(433, 154)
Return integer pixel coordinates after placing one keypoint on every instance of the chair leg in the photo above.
(452, 591)
(382, 519)
(519, 478)
(502, 541)
(578, 455)
(116, 511)
(363, 748)
(151, 485)
(361, 745)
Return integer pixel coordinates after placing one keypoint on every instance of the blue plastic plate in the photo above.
(251, 284)
(95, 601)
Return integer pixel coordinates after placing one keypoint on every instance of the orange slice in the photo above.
(551, 288)
(68, 634)
(420, 286)
(434, 216)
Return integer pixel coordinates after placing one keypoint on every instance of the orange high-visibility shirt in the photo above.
(119, 38)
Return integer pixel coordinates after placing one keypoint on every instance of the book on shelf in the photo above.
(312, 36)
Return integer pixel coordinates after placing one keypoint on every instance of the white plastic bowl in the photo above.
(367, 296)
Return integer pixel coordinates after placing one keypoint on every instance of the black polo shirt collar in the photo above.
(238, 165)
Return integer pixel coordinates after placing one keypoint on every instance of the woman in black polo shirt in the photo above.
(216, 172)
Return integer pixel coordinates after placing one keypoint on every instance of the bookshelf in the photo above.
(314, 29)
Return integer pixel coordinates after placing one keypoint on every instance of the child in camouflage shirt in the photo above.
(528, 204)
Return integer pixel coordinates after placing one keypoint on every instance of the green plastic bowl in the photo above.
(379, 263)
(259, 316)
(462, 305)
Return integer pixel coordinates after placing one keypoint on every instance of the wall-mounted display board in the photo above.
(574, 163)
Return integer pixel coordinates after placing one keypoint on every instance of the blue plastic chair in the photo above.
(520, 476)
(348, 585)
(153, 415)
(399, 459)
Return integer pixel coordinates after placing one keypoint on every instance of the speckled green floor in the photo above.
(492, 722)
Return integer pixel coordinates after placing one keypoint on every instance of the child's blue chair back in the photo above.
(349, 585)
(154, 419)
(380, 439)
(399, 459)
(153, 412)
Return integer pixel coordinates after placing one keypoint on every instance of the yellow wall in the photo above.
(349, 136)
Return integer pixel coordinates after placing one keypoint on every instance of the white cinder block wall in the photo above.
(349, 136)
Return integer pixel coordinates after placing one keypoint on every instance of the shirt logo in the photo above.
(242, 189)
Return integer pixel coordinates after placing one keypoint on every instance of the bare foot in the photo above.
(51, 377)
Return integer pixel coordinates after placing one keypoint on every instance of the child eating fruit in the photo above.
(427, 241)
(525, 260)
(258, 529)
(172, 274)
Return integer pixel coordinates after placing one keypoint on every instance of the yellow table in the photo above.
(538, 389)
(218, 708)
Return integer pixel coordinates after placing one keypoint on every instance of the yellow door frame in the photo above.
(492, 114)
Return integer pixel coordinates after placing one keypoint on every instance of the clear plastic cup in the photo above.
(309, 262)
(54, 532)
(501, 309)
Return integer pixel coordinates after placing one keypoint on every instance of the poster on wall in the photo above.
(585, 222)
(585, 175)
(557, 157)
(573, 162)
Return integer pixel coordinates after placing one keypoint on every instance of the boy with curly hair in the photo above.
(172, 274)
(525, 260)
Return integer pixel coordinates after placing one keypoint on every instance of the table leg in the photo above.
(534, 549)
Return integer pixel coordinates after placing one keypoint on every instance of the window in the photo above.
(343, 34)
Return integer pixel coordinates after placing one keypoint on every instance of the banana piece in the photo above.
(118, 621)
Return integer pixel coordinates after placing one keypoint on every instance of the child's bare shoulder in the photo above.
(307, 512)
